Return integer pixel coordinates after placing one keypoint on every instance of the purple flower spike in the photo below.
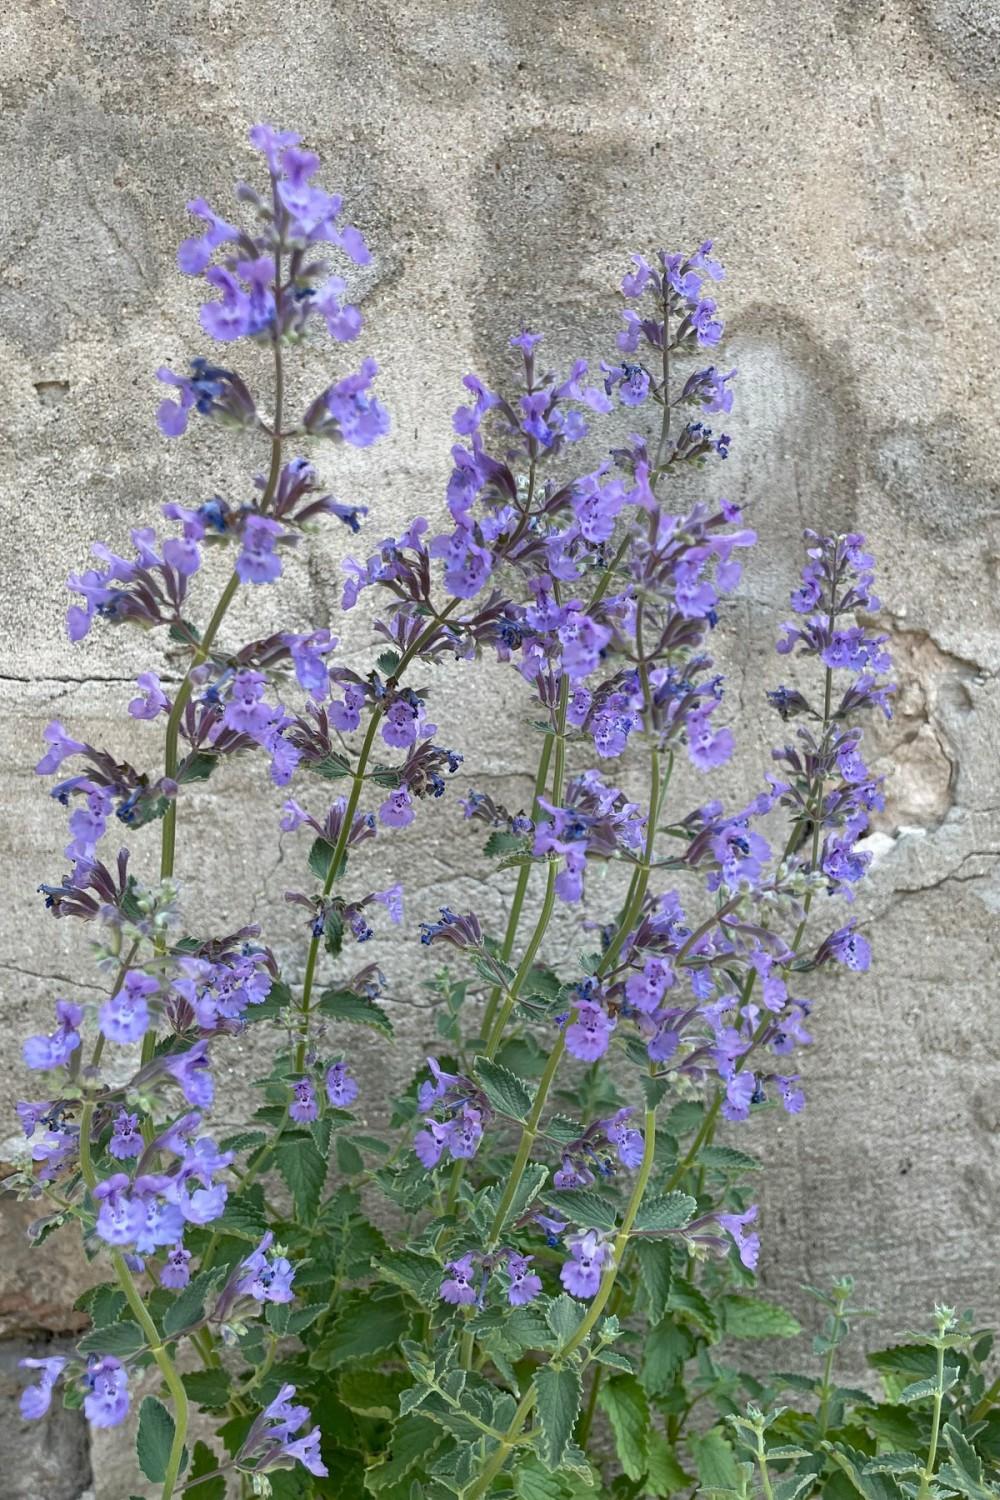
(457, 1287)
(36, 1399)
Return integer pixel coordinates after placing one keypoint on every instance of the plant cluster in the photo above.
(544, 1228)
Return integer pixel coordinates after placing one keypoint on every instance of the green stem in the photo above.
(340, 849)
(928, 1474)
(497, 1460)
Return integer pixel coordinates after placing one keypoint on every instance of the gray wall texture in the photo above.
(503, 158)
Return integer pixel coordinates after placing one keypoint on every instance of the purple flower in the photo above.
(107, 1401)
(258, 561)
(646, 990)
(303, 1107)
(360, 418)
(36, 1399)
(60, 748)
(341, 1088)
(153, 701)
(740, 1089)
(708, 748)
(627, 1141)
(192, 1072)
(581, 1274)
(524, 1284)
(31, 1115)
(392, 900)
(792, 1098)
(748, 1245)
(194, 254)
(587, 1037)
(269, 1277)
(457, 1287)
(55, 1051)
(847, 946)
(126, 1139)
(175, 1273)
(306, 1450)
(125, 1017)
(397, 809)
(307, 653)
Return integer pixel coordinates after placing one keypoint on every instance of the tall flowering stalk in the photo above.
(574, 1237)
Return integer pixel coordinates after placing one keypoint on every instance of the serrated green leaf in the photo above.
(345, 1005)
(727, 1159)
(189, 1305)
(614, 1360)
(922, 1390)
(965, 1470)
(714, 1460)
(332, 767)
(666, 1349)
(584, 1208)
(558, 1393)
(363, 1328)
(207, 1387)
(686, 1299)
(753, 1318)
(533, 1482)
(420, 1275)
(373, 1393)
(198, 766)
(154, 1439)
(670, 1211)
(243, 1218)
(869, 1486)
(205, 1462)
(414, 1440)
(502, 842)
(623, 1401)
(388, 662)
(508, 1094)
(304, 1171)
(563, 1315)
(120, 1339)
(664, 1474)
(655, 1269)
(243, 1140)
(320, 857)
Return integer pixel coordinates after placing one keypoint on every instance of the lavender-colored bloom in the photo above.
(303, 1107)
(748, 1244)
(740, 1089)
(646, 990)
(392, 900)
(36, 1399)
(125, 1017)
(107, 1401)
(457, 1287)
(708, 748)
(258, 561)
(307, 653)
(306, 1450)
(61, 746)
(153, 700)
(397, 809)
(194, 254)
(581, 1274)
(341, 1088)
(847, 946)
(587, 1037)
(31, 1115)
(192, 1072)
(627, 1141)
(55, 1050)
(126, 1139)
(175, 1272)
(359, 417)
(269, 1277)
(792, 1098)
(524, 1285)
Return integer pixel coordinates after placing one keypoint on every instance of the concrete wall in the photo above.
(503, 159)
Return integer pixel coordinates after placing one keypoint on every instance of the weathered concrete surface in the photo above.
(503, 159)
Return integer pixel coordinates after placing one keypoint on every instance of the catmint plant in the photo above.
(503, 1289)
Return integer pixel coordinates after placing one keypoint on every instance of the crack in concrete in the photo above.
(77, 984)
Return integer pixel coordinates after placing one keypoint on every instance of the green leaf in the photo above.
(414, 1440)
(121, 1339)
(687, 1300)
(364, 1327)
(244, 1140)
(584, 1208)
(508, 1094)
(623, 1401)
(655, 1270)
(671, 1211)
(320, 856)
(345, 1005)
(664, 1475)
(420, 1275)
(558, 1394)
(869, 1486)
(502, 842)
(154, 1438)
(243, 1218)
(286, 1319)
(965, 1471)
(533, 1482)
(388, 662)
(727, 1159)
(207, 1388)
(349, 1158)
(189, 1305)
(332, 767)
(196, 767)
(666, 1349)
(921, 1390)
(614, 1360)
(753, 1318)
(563, 1315)
(373, 1393)
(205, 1462)
(304, 1171)
(714, 1460)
